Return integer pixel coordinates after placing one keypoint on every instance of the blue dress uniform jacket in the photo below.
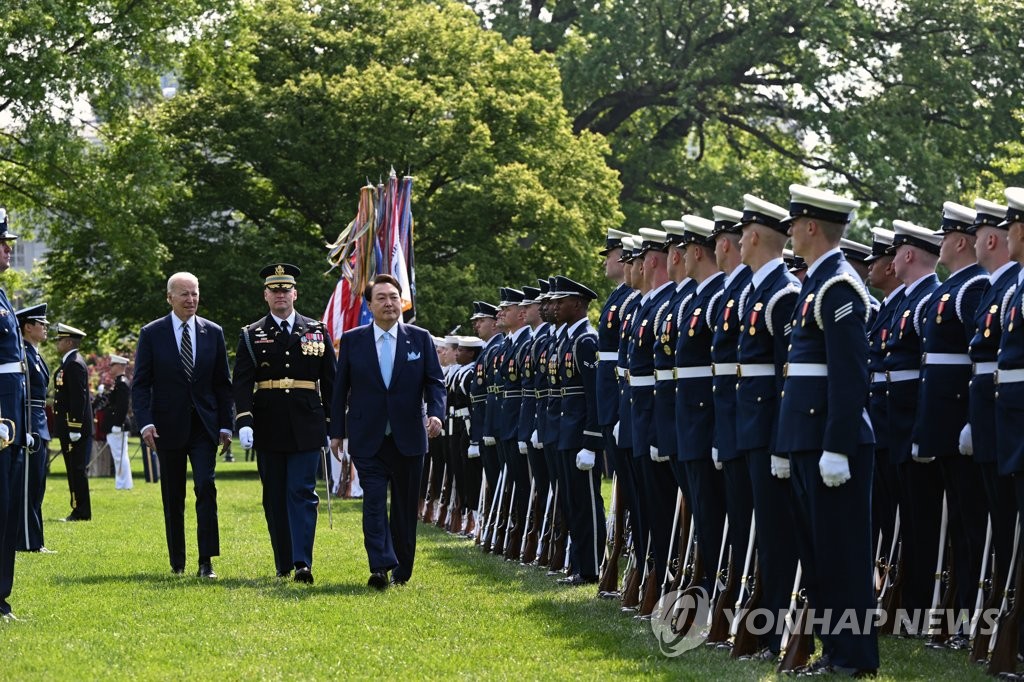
(286, 419)
(641, 371)
(553, 403)
(12, 459)
(765, 315)
(903, 354)
(481, 388)
(882, 325)
(695, 413)
(531, 382)
(577, 372)
(1009, 386)
(827, 412)
(724, 345)
(496, 393)
(543, 346)
(983, 350)
(666, 329)
(39, 382)
(629, 309)
(510, 367)
(947, 327)
(608, 327)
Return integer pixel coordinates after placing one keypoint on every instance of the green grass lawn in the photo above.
(107, 607)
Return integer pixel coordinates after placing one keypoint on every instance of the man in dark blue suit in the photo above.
(387, 372)
(181, 393)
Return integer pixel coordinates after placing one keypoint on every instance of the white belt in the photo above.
(463, 412)
(903, 375)
(1009, 376)
(664, 374)
(805, 369)
(945, 359)
(757, 370)
(11, 368)
(621, 372)
(693, 372)
(641, 381)
(981, 368)
(608, 356)
(878, 377)
(723, 369)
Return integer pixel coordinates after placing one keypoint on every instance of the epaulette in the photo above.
(842, 311)
(784, 291)
(963, 289)
(1010, 291)
(711, 306)
(917, 312)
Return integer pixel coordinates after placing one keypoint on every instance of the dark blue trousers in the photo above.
(76, 460)
(739, 508)
(30, 529)
(706, 488)
(834, 526)
(920, 523)
(627, 489)
(290, 504)
(390, 538)
(965, 501)
(201, 452)
(586, 515)
(776, 541)
(12, 481)
(659, 500)
(1002, 506)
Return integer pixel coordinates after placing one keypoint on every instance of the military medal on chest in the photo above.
(753, 317)
(803, 311)
(693, 322)
(611, 316)
(988, 320)
(942, 307)
(903, 321)
(725, 315)
(667, 335)
(640, 333)
(568, 364)
(512, 369)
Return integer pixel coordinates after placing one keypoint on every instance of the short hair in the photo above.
(833, 231)
(181, 275)
(380, 279)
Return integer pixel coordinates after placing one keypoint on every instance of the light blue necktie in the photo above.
(386, 364)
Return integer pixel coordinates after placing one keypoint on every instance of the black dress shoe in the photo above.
(178, 570)
(378, 580)
(765, 655)
(577, 580)
(74, 517)
(283, 574)
(397, 581)
(304, 575)
(206, 571)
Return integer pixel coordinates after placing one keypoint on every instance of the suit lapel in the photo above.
(403, 346)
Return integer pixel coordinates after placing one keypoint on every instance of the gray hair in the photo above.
(181, 276)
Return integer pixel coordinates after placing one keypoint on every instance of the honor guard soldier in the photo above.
(857, 255)
(485, 323)
(978, 438)
(609, 322)
(33, 325)
(283, 383)
(510, 368)
(12, 427)
(540, 482)
(117, 414)
(435, 479)
(651, 467)
(825, 431)
(726, 328)
(492, 428)
(1009, 377)
(447, 504)
(469, 472)
(579, 439)
(885, 499)
(72, 418)
(947, 320)
(695, 407)
(765, 311)
(915, 252)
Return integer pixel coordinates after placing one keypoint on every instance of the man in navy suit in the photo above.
(181, 393)
(387, 372)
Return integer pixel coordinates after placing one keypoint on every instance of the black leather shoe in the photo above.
(395, 581)
(765, 655)
(73, 517)
(178, 570)
(304, 575)
(577, 580)
(283, 574)
(206, 571)
(378, 580)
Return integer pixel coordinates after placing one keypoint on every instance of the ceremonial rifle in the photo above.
(608, 576)
(718, 623)
(528, 549)
(1003, 646)
(796, 644)
(980, 603)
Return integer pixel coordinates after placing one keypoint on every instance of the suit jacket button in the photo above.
(287, 365)
(287, 390)
(812, 410)
(287, 353)
(758, 398)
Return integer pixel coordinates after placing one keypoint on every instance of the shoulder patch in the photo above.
(967, 285)
(789, 289)
(844, 310)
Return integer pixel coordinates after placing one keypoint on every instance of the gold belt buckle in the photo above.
(785, 371)
(285, 383)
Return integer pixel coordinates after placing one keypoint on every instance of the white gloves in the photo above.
(585, 459)
(522, 447)
(74, 436)
(489, 440)
(29, 440)
(468, 423)
(615, 433)
(714, 458)
(115, 429)
(655, 457)
(473, 451)
(914, 450)
(5, 433)
(780, 467)
(966, 441)
(245, 437)
(535, 440)
(834, 468)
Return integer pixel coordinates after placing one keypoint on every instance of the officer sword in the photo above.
(327, 481)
